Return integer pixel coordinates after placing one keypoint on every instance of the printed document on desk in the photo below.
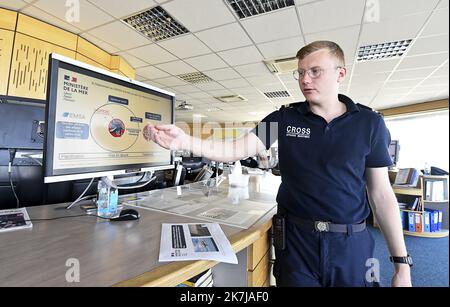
(14, 219)
(180, 242)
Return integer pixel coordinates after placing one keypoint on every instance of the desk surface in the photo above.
(109, 253)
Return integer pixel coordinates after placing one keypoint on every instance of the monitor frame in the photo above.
(55, 62)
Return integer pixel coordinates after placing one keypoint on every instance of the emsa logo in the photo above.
(298, 132)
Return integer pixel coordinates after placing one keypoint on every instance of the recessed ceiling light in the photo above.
(248, 8)
(156, 24)
(383, 50)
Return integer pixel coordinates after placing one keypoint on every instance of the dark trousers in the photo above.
(323, 259)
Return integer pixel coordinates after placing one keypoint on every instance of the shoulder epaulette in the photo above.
(292, 105)
(364, 107)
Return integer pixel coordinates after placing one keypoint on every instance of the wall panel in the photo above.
(28, 75)
(6, 43)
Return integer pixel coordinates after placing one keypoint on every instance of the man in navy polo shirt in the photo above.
(331, 151)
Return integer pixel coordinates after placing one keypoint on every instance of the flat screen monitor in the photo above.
(97, 123)
(394, 149)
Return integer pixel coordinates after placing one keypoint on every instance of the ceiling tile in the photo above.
(13, 4)
(423, 60)
(251, 70)
(330, 14)
(430, 44)
(404, 27)
(438, 23)
(231, 36)
(210, 86)
(100, 43)
(132, 60)
(207, 62)
(186, 89)
(151, 72)
(152, 54)
(176, 68)
(235, 83)
(402, 83)
(273, 26)
(412, 73)
(185, 46)
(282, 48)
(198, 15)
(392, 9)
(363, 68)
(124, 37)
(171, 81)
(346, 38)
(89, 15)
(119, 10)
(41, 15)
(263, 80)
(222, 74)
(241, 56)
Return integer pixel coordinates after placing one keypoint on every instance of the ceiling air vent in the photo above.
(248, 8)
(383, 50)
(195, 78)
(232, 98)
(156, 24)
(279, 94)
(282, 66)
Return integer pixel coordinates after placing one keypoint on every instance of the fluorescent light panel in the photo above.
(156, 24)
(248, 8)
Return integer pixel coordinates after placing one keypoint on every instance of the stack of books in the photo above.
(204, 279)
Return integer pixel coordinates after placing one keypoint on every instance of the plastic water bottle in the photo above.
(107, 199)
(427, 169)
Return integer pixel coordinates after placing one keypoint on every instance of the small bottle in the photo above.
(426, 169)
(107, 199)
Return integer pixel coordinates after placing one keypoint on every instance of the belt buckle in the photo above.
(322, 226)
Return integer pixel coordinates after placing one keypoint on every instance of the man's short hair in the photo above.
(332, 47)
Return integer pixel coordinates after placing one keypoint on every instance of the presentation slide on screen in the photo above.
(99, 123)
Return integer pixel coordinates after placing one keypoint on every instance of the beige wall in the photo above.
(25, 46)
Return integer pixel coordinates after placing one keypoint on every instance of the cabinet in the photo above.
(432, 192)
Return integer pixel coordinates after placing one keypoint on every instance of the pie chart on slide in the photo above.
(112, 129)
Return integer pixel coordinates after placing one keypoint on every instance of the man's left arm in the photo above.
(385, 208)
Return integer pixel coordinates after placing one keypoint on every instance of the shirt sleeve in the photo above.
(267, 129)
(379, 154)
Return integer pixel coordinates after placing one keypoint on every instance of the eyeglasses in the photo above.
(313, 73)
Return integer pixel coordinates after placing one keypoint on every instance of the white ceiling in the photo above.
(231, 51)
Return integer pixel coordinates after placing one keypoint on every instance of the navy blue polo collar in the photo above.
(304, 107)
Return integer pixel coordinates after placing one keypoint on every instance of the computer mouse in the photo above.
(126, 215)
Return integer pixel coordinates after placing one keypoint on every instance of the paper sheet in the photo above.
(180, 242)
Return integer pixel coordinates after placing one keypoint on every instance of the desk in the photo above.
(118, 253)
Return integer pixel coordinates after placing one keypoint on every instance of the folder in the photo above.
(411, 225)
(418, 222)
(439, 228)
(434, 218)
(426, 221)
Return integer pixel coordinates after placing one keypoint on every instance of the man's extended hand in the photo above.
(169, 136)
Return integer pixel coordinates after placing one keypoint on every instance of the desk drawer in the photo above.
(257, 251)
(259, 276)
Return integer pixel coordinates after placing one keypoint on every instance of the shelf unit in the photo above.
(420, 191)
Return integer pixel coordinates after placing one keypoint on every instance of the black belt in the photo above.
(321, 226)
